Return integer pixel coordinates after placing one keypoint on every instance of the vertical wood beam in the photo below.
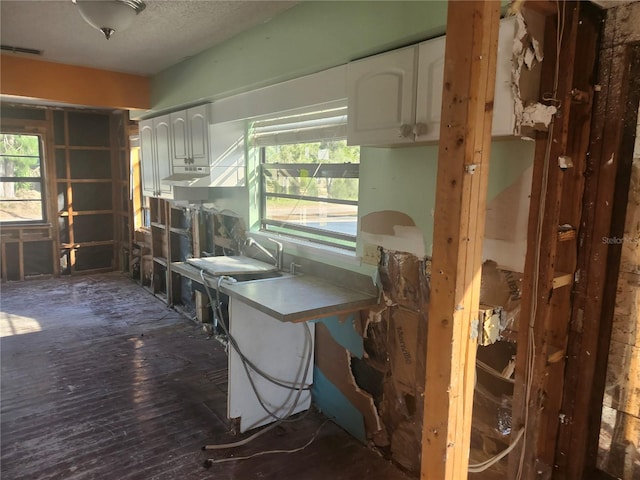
(202, 309)
(605, 200)
(51, 189)
(539, 404)
(461, 191)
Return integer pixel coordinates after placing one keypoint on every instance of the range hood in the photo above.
(189, 177)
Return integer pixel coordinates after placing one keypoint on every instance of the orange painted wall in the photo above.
(25, 77)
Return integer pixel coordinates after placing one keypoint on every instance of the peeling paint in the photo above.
(392, 230)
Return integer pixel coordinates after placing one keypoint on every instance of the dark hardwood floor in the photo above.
(101, 381)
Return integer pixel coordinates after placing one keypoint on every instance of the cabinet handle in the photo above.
(420, 129)
(405, 131)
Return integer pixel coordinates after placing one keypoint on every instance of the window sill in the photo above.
(16, 225)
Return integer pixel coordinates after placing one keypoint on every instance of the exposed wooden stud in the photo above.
(52, 190)
(465, 139)
(550, 262)
(202, 309)
(607, 184)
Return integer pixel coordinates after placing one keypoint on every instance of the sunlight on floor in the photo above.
(11, 324)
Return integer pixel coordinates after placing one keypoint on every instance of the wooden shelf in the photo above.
(161, 261)
(180, 231)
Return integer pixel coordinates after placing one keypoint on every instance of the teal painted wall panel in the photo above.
(334, 405)
(344, 333)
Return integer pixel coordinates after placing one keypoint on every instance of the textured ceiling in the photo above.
(165, 33)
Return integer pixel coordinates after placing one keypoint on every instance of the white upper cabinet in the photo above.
(381, 98)
(396, 97)
(156, 155)
(190, 138)
(429, 90)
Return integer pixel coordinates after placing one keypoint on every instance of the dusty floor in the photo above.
(101, 381)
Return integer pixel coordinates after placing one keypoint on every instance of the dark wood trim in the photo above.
(555, 200)
(629, 101)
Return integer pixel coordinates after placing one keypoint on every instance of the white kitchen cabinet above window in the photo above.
(190, 139)
(183, 150)
(395, 98)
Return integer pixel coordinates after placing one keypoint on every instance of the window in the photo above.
(309, 177)
(21, 180)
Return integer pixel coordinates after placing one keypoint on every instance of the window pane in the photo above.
(334, 151)
(312, 187)
(321, 215)
(279, 181)
(19, 156)
(21, 200)
(24, 167)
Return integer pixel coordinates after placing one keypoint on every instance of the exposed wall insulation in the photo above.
(619, 453)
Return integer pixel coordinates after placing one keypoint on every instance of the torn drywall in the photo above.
(334, 361)
(392, 230)
(525, 75)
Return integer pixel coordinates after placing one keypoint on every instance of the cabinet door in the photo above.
(148, 160)
(198, 136)
(503, 105)
(180, 138)
(162, 132)
(381, 98)
(429, 89)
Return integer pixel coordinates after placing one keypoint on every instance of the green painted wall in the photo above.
(313, 36)
(404, 179)
(310, 37)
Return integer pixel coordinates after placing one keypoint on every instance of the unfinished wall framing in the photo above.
(86, 170)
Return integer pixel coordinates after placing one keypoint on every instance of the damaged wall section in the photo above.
(370, 368)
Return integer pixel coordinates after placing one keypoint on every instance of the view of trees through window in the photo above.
(21, 192)
(312, 188)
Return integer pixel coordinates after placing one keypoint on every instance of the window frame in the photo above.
(306, 233)
(42, 179)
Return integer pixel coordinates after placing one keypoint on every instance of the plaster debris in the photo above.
(538, 116)
(527, 53)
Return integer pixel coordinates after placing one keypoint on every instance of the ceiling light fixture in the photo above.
(109, 16)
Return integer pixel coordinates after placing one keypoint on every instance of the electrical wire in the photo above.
(530, 358)
(211, 461)
(299, 387)
(482, 466)
(232, 340)
(493, 371)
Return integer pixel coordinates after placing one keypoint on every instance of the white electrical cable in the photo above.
(211, 461)
(482, 466)
(493, 371)
(246, 363)
(232, 341)
(530, 363)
